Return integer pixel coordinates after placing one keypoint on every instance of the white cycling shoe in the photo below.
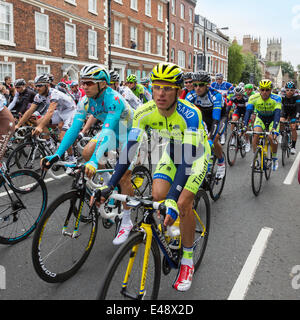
(122, 234)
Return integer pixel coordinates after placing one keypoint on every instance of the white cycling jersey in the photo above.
(64, 102)
(130, 97)
(2, 102)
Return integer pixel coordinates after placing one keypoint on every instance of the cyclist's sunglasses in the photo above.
(165, 88)
(287, 90)
(265, 90)
(189, 81)
(90, 82)
(39, 85)
(200, 84)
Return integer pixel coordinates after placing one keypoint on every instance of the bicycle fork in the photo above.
(148, 233)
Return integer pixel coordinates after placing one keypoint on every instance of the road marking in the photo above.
(246, 276)
(291, 175)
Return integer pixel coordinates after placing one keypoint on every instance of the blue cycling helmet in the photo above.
(94, 72)
(290, 85)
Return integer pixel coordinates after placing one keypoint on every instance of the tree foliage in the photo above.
(235, 63)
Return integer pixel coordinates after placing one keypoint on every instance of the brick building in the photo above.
(138, 36)
(181, 33)
(210, 47)
(51, 36)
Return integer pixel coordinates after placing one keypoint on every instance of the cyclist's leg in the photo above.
(274, 144)
(187, 222)
(258, 126)
(7, 128)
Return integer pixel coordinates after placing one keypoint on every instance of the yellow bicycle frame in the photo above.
(147, 229)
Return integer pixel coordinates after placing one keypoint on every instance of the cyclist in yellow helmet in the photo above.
(267, 107)
(176, 179)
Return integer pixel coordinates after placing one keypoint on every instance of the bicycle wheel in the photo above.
(216, 184)
(268, 163)
(21, 205)
(56, 255)
(112, 286)
(232, 148)
(284, 148)
(257, 172)
(26, 156)
(202, 218)
(242, 146)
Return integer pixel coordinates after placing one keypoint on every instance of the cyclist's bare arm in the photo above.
(27, 115)
(46, 118)
(92, 120)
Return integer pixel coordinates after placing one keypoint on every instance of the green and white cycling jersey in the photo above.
(142, 93)
(268, 111)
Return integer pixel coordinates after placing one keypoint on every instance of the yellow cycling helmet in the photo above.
(169, 72)
(265, 84)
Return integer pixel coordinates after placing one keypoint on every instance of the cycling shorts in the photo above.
(65, 116)
(266, 126)
(166, 170)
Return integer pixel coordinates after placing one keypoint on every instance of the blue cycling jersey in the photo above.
(211, 107)
(115, 114)
(223, 88)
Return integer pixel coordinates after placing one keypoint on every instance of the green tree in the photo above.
(252, 71)
(286, 67)
(235, 63)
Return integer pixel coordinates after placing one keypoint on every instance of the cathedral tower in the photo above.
(274, 50)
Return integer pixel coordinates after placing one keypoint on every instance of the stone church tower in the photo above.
(274, 50)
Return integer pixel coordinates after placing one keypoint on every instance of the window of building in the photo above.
(172, 31)
(190, 37)
(7, 69)
(181, 34)
(191, 15)
(92, 44)
(133, 37)
(70, 38)
(147, 41)
(6, 23)
(41, 68)
(172, 55)
(173, 7)
(160, 12)
(93, 6)
(196, 35)
(148, 8)
(181, 58)
(182, 11)
(159, 45)
(190, 61)
(134, 4)
(73, 2)
(41, 31)
(118, 33)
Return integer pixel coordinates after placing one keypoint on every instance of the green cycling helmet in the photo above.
(131, 78)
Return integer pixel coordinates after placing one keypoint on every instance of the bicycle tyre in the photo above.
(256, 168)
(113, 270)
(25, 220)
(268, 163)
(231, 158)
(41, 238)
(284, 147)
(198, 257)
(217, 182)
(242, 146)
(14, 159)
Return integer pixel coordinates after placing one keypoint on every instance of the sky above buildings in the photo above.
(259, 18)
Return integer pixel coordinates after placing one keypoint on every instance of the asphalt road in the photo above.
(237, 220)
